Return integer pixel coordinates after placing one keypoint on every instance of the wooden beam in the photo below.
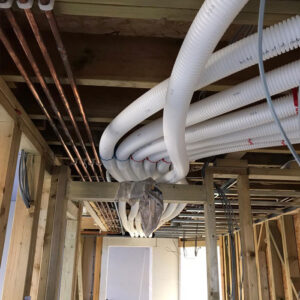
(250, 284)
(170, 10)
(97, 268)
(10, 137)
(94, 216)
(211, 239)
(107, 191)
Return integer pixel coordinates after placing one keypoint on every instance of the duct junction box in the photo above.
(46, 7)
(6, 4)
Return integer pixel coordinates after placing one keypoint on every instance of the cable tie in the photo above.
(296, 100)
(250, 142)
(138, 161)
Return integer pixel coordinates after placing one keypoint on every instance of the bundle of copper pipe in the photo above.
(104, 209)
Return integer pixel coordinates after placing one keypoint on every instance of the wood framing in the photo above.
(18, 114)
(107, 191)
(68, 272)
(250, 284)
(170, 10)
(54, 236)
(211, 239)
(24, 231)
(10, 137)
(97, 268)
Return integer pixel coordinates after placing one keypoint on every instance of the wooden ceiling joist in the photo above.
(276, 10)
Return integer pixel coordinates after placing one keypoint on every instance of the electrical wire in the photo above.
(264, 81)
(23, 179)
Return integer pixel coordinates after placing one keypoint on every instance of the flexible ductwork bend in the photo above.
(145, 153)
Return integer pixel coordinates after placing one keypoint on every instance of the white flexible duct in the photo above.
(266, 130)
(278, 39)
(294, 137)
(289, 40)
(231, 122)
(209, 25)
(250, 91)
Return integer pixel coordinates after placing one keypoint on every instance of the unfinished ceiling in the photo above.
(117, 51)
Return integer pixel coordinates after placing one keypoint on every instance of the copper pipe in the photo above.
(38, 74)
(21, 69)
(64, 56)
(50, 65)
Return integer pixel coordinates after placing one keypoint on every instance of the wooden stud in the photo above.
(58, 235)
(10, 137)
(79, 271)
(261, 263)
(40, 237)
(274, 264)
(290, 255)
(24, 230)
(69, 260)
(250, 284)
(211, 239)
(97, 268)
(54, 236)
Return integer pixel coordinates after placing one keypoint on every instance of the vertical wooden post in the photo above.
(274, 264)
(250, 283)
(69, 259)
(10, 137)
(211, 239)
(261, 262)
(97, 268)
(24, 233)
(292, 271)
(40, 237)
(51, 266)
(222, 262)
